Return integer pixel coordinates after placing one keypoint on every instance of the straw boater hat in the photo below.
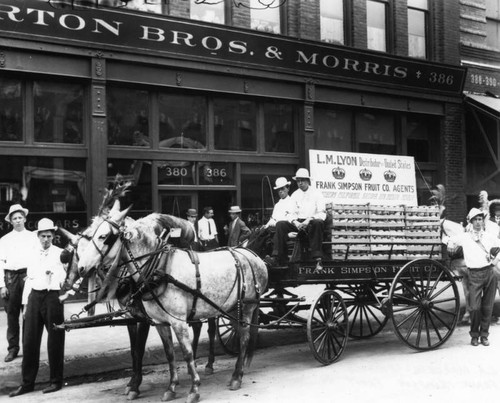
(235, 209)
(281, 182)
(46, 224)
(474, 212)
(192, 212)
(14, 209)
(302, 173)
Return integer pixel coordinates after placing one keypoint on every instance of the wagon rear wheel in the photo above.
(327, 327)
(364, 308)
(228, 336)
(425, 304)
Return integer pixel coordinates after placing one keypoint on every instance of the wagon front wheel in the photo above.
(328, 327)
(425, 304)
(228, 336)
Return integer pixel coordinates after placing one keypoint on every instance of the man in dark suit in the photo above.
(237, 229)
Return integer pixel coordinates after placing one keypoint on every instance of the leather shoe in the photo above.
(53, 387)
(9, 357)
(485, 341)
(474, 342)
(21, 390)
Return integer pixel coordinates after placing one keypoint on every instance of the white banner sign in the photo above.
(355, 178)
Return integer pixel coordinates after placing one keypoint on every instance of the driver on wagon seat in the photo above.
(308, 216)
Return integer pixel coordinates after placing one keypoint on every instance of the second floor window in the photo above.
(208, 12)
(417, 28)
(266, 19)
(376, 25)
(493, 23)
(332, 21)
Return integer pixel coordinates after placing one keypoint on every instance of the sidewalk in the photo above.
(87, 351)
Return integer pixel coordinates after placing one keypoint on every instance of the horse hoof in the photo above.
(193, 398)
(168, 396)
(132, 395)
(234, 384)
(209, 370)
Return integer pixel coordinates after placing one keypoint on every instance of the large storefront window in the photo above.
(138, 172)
(375, 133)
(182, 121)
(279, 128)
(332, 130)
(128, 117)
(11, 110)
(235, 123)
(421, 139)
(58, 112)
(48, 187)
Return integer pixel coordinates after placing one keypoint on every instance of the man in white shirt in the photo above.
(308, 216)
(478, 246)
(283, 208)
(45, 275)
(207, 231)
(13, 266)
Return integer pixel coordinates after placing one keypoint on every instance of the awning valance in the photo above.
(484, 103)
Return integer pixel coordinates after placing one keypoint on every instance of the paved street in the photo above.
(380, 369)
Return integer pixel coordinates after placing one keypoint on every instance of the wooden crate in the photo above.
(369, 232)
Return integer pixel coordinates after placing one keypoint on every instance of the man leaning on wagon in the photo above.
(13, 266)
(308, 215)
(480, 250)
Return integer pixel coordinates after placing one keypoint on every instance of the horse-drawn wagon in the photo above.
(384, 264)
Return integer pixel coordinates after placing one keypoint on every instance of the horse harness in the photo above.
(151, 277)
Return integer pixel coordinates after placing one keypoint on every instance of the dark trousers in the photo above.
(43, 310)
(482, 290)
(14, 281)
(314, 232)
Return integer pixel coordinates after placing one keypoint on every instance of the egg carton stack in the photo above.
(423, 229)
(366, 232)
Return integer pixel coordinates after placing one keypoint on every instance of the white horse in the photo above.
(180, 286)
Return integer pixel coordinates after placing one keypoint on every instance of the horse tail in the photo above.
(254, 333)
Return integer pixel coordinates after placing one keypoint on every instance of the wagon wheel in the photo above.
(228, 336)
(327, 327)
(363, 301)
(425, 304)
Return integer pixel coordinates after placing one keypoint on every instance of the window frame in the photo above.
(388, 24)
(427, 39)
(490, 20)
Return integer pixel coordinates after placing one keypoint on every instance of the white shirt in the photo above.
(203, 229)
(13, 248)
(493, 228)
(308, 204)
(476, 254)
(45, 271)
(282, 211)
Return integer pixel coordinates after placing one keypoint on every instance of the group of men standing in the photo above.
(205, 230)
(31, 276)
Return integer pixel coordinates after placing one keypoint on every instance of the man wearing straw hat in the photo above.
(481, 254)
(308, 216)
(13, 265)
(283, 208)
(237, 229)
(45, 276)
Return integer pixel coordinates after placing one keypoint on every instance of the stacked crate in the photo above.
(367, 232)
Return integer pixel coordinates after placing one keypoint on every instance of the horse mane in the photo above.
(157, 223)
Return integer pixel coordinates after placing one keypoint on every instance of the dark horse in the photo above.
(225, 279)
(138, 332)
